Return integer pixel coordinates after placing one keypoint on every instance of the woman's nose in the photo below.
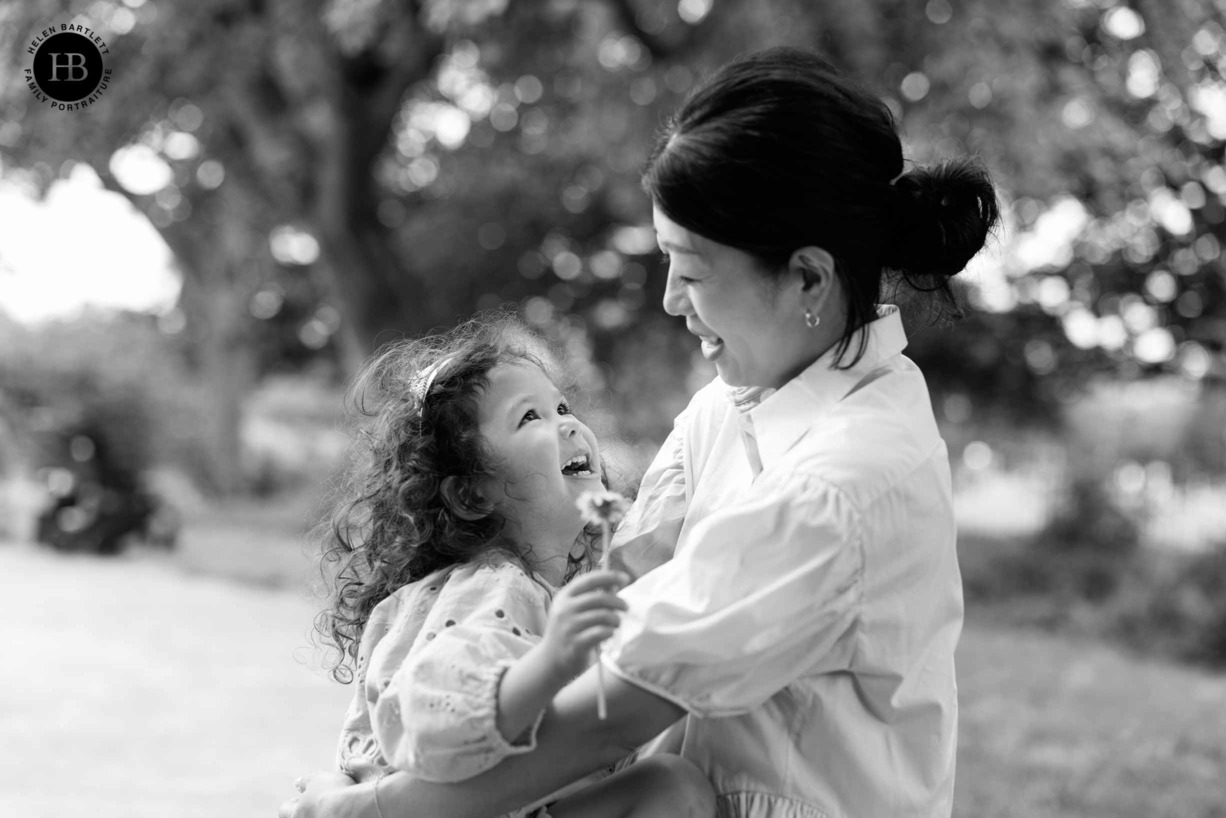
(675, 301)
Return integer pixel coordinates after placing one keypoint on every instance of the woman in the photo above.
(794, 630)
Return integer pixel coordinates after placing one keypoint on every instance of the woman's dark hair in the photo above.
(780, 150)
(415, 407)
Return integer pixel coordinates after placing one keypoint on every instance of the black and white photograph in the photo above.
(613, 408)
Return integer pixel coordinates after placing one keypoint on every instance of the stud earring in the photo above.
(811, 320)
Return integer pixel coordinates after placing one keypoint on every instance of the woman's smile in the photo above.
(712, 345)
(754, 335)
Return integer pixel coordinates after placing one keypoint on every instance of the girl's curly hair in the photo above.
(389, 525)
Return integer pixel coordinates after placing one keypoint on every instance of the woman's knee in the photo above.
(676, 786)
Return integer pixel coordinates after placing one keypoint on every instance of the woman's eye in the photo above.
(667, 264)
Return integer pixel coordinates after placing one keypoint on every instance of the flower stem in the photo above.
(602, 710)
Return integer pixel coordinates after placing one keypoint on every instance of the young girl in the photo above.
(458, 525)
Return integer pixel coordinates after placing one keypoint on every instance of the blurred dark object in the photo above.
(97, 504)
(118, 381)
(98, 406)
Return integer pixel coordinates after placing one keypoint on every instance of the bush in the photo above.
(1087, 572)
(1087, 547)
(1182, 613)
(102, 401)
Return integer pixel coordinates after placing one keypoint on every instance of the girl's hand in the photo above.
(313, 789)
(583, 614)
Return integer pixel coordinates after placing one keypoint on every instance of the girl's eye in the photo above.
(531, 414)
(563, 409)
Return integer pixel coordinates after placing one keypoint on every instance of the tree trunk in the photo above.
(220, 274)
(227, 366)
(373, 284)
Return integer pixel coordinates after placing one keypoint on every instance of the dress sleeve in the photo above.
(357, 752)
(435, 717)
(760, 594)
(648, 535)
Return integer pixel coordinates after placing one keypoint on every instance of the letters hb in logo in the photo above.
(73, 62)
(68, 67)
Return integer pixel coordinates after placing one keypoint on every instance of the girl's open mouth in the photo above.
(578, 466)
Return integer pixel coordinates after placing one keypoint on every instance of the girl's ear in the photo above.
(463, 498)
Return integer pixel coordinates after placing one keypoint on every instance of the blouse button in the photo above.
(448, 623)
(499, 614)
(429, 636)
(515, 631)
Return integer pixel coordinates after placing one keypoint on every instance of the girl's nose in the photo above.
(569, 427)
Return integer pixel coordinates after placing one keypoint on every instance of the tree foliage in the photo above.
(372, 166)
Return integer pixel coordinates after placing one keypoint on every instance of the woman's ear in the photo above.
(463, 498)
(813, 268)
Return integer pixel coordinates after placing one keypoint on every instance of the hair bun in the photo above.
(940, 218)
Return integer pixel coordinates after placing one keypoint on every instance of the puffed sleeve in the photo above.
(357, 752)
(647, 536)
(435, 717)
(759, 594)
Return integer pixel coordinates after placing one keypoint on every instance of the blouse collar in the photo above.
(782, 416)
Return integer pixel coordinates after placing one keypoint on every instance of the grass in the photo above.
(1052, 726)
(156, 684)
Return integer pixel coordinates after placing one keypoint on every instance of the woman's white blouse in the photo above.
(799, 592)
(429, 664)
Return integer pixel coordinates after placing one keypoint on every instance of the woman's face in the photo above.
(544, 457)
(751, 327)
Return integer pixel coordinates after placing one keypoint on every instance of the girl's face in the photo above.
(751, 327)
(545, 458)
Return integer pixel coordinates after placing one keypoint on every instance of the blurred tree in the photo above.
(267, 135)
(408, 162)
(1105, 122)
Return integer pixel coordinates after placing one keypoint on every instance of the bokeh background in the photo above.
(192, 268)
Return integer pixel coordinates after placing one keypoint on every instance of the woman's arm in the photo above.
(571, 743)
(648, 535)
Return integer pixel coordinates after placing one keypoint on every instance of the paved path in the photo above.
(129, 688)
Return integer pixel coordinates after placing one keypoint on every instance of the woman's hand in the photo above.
(312, 802)
(583, 614)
